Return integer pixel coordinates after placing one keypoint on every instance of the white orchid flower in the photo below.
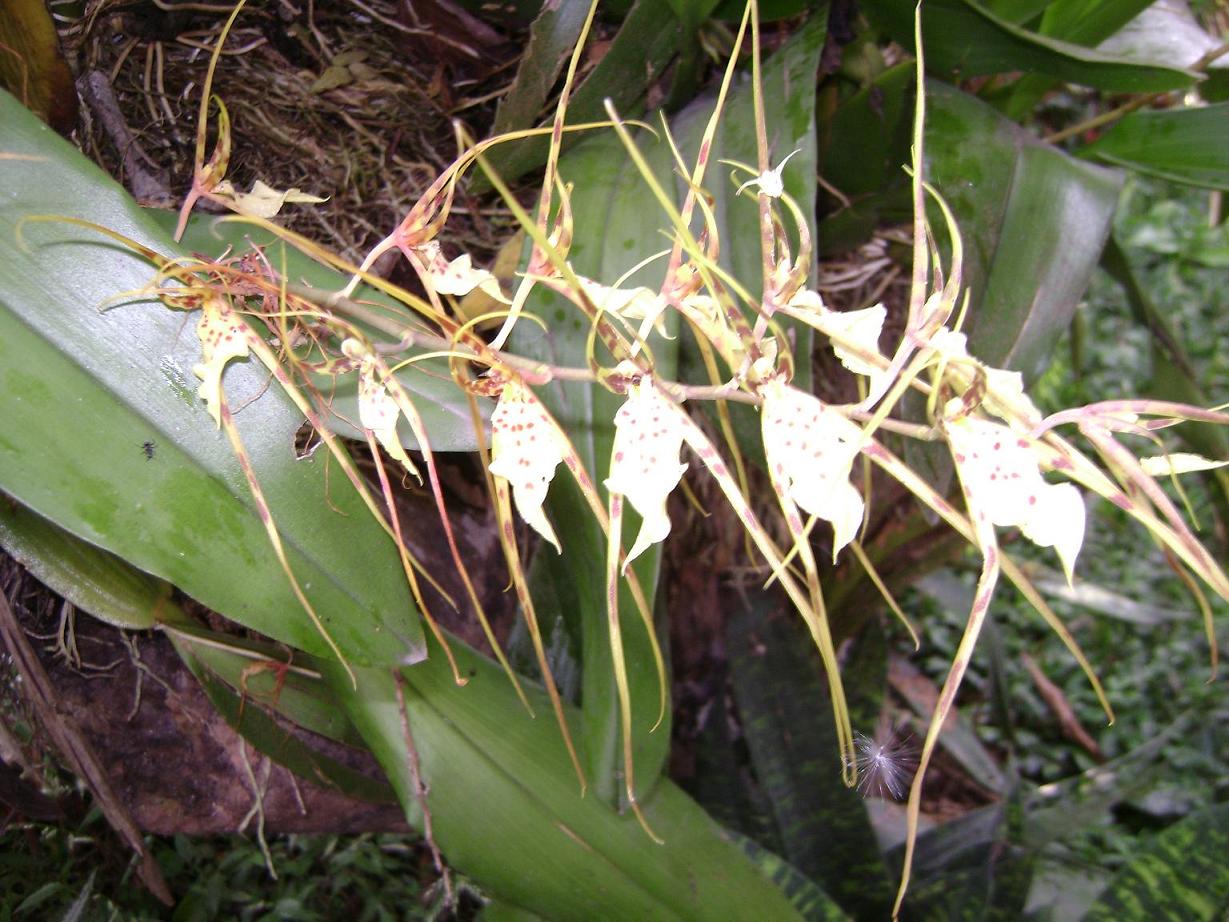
(644, 463)
(223, 336)
(770, 182)
(1005, 396)
(1001, 475)
(526, 448)
(811, 449)
(458, 277)
(377, 410)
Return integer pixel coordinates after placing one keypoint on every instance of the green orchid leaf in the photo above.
(98, 582)
(812, 903)
(1186, 145)
(105, 436)
(551, 40)
(1081, 22)
(638, 55)
(964, 39)
(249, 703)
(92, 579)
(506, 811)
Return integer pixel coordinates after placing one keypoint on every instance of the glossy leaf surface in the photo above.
(1187, 145)
(505, 809)
(644, 46)
(963, 39)
(88, 395)
(92, 579)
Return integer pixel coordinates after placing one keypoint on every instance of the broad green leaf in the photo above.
(92, 579)
(248, 703)
(98, 582)
(693, 12)
(1033, 220)
(1182, 874)
(551, 40)
(505, 809)
(1017, 12)
(1187, 145)
(963, 39)
(972, 868)
(442, 406)
(1082, 22)
(1164, 31)
(87, 395)
(617, 222)
(1088, 22)
(636, 59)
(780, 690)
(298, 694)
(495, 911)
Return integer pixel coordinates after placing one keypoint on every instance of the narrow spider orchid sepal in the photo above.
(644, 463)
(377, 410)
(526, 448)
(1000, 471)
(1178, 462)
(223, 336)
(810, 449)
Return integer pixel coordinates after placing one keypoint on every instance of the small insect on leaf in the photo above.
(148, 449)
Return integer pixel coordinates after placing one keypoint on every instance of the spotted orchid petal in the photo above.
(223, 336)
(811, 449)
(458, 277)
(644, 463)
(1001, 474)
(525, 450)
(263, 201)
(377, 410)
